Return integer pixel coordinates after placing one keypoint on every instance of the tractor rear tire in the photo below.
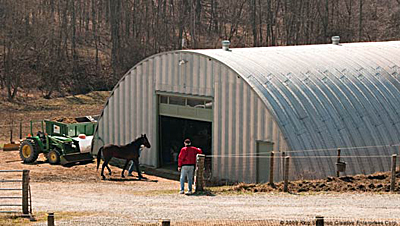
(28, 151)
(54, 157)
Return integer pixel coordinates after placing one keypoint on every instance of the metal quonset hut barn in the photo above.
(306, 101)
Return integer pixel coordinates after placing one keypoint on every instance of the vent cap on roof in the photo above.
(225, 45)
(335, 40)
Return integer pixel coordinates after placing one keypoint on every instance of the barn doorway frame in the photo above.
(185, 107)
(264, 149)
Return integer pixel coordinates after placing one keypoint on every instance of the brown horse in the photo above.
(128, 152)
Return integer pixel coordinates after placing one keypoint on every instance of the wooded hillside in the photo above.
(75, 46)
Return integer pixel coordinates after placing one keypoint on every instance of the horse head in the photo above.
(145, 141)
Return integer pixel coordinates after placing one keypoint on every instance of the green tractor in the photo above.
(61, 143)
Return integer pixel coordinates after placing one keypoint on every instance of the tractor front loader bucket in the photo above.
(78, 157)
(11, 147)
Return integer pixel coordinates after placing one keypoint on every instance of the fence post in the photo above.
(200, 158)
(25, 191)
(286, 175)
(319, 221)
(271, 169)
(50, 219)
(165, 222)
(20, 131)
(393, 176)
(338, 161)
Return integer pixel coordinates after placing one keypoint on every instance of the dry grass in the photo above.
(15, 219)
(33, 108)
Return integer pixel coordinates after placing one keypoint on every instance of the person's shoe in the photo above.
(181, 192)
(188, 193)
(130, 175)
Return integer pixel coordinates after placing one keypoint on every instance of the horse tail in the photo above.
(99, 157)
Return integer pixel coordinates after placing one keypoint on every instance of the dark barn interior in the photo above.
(173, 131)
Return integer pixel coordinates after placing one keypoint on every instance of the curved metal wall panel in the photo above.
(325, 97)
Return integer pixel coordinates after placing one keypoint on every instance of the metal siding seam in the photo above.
(164, 69)
(142, 98)
(231, 126)
(157, 75)
(113, 117)
(148, 105)
(245, 138)
(170, 67)
(196, 75)
(225, 132)
(137, 104)
(203, 76)
(129, 106)
(239, 126)
(124, 106)
(217, 136)
(210, 78)
(253, 135)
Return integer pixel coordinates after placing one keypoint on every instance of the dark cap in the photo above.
(187, 141)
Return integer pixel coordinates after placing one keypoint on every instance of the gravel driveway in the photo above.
(121, 203)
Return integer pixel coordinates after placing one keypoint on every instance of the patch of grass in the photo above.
(14, 219)
(156, 192)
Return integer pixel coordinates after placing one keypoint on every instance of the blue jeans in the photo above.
(187, 172)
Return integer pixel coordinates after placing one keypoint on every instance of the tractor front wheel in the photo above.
(54, 157)
(28, 151)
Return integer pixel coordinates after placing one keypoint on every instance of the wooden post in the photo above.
(319, 221)
(338, 160)
(286, 175)
(271, 169)
(25, 191)
(20, 131)
(50, 219)
(165, 222)
(11, 132)
(393, 178)
(283, 162)
(200, 158)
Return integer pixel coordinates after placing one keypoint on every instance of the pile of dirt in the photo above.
(65, 120)
(378, 182)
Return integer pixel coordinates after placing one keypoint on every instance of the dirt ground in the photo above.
(78, 196)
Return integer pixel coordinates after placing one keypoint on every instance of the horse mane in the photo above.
(135, 141)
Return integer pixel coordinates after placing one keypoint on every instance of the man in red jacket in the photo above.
(186, 163)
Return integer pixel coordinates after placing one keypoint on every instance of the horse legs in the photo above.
(136, 162)
(109, 170)
(123, 170)
(105, 164)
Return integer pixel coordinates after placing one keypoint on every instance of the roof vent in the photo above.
(335, 40)
(225, 45)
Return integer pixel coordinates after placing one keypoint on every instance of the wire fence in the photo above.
(270, 166)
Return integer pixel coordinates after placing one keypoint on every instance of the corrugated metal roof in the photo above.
(327, 96)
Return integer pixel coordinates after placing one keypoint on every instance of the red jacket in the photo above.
(187, 156)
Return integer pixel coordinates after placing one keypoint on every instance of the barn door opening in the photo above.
(264, 150)
(174, 131)
(181, 117)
